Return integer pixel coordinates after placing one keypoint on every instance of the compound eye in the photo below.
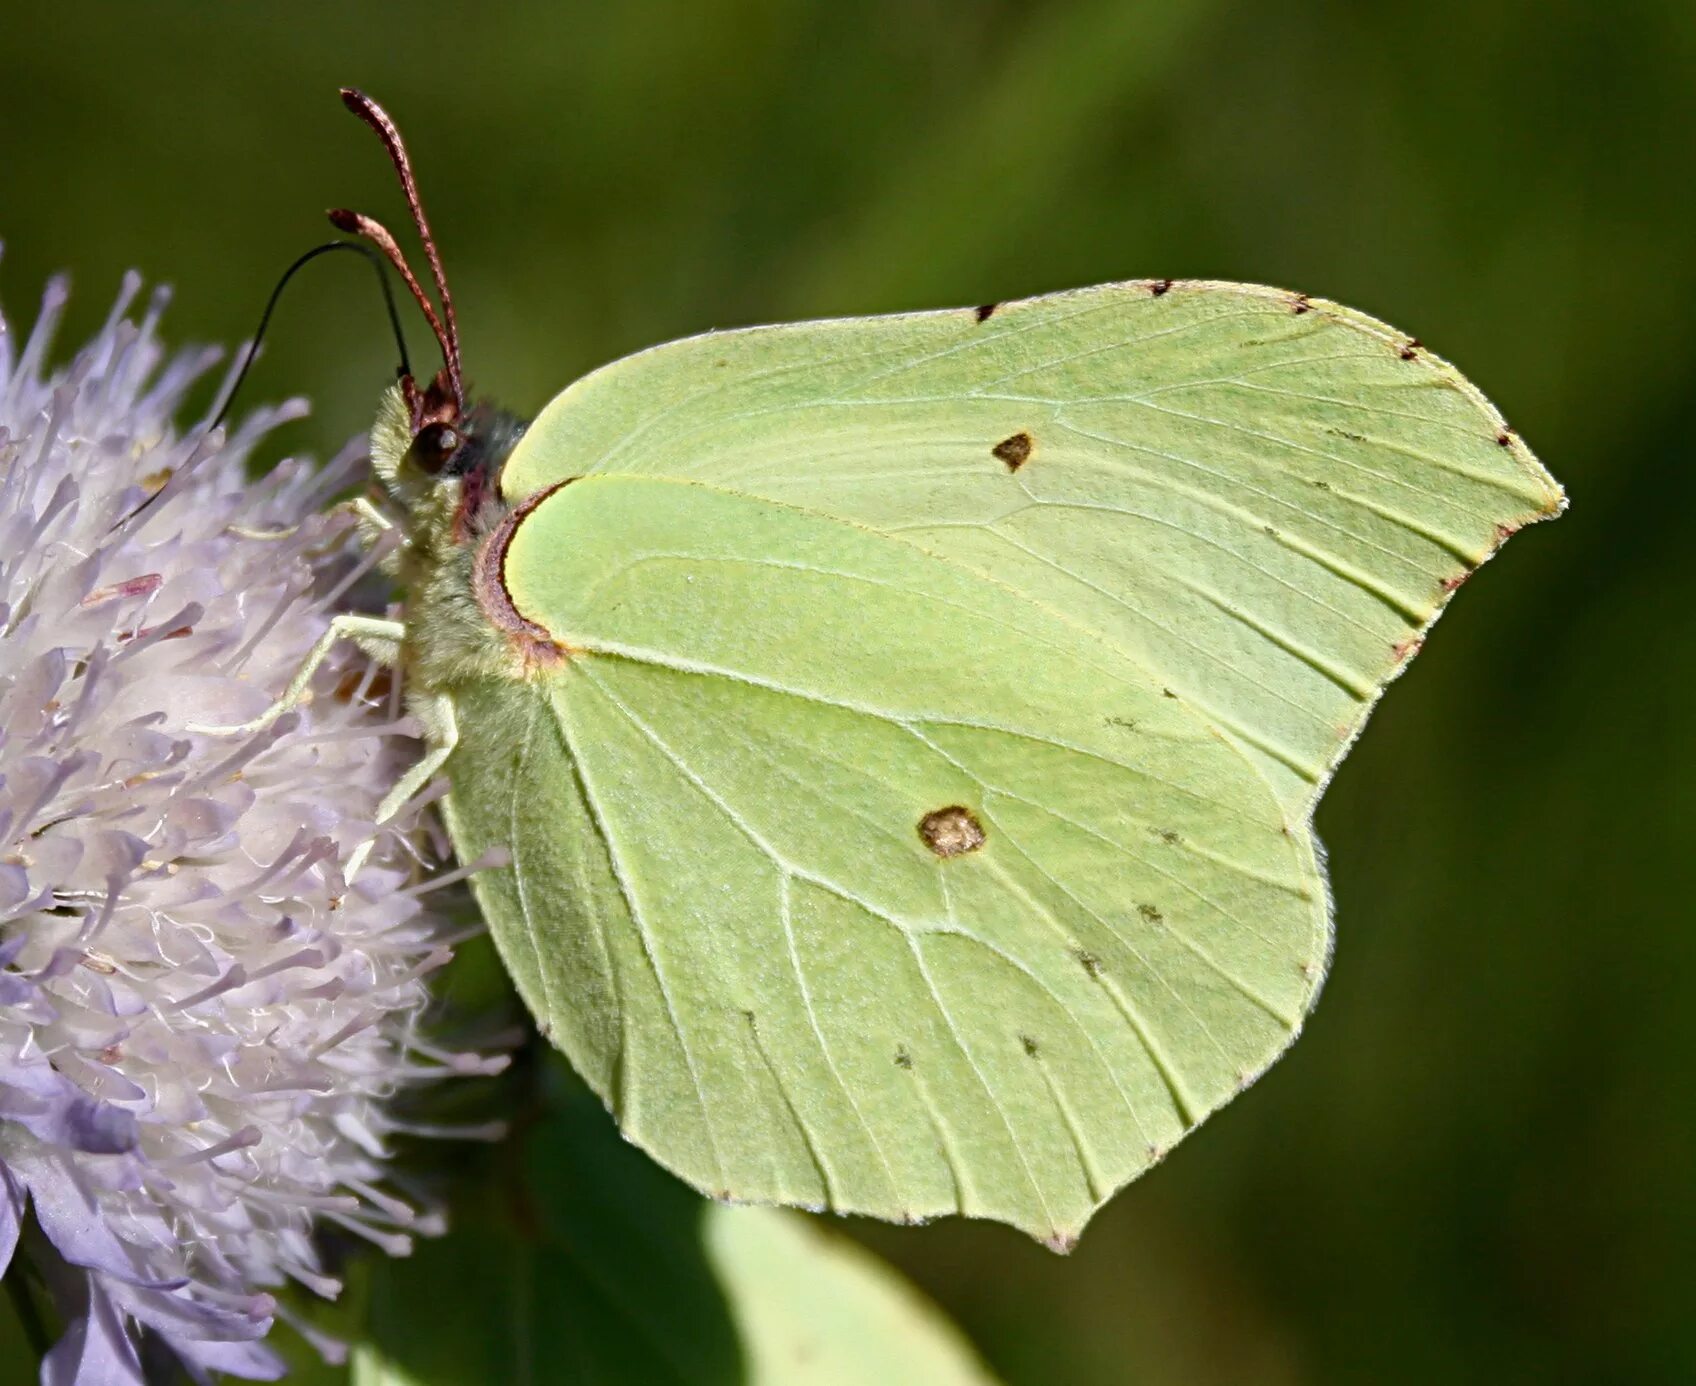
(435, 446)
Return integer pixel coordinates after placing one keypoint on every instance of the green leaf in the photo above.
(585, 1263)
(814, 1307)
(909, 798)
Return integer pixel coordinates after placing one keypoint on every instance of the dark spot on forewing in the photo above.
(985, 311)
(1032, 1048)
(1089, 962)
(1160, 287)
(1151, 913)
(902, 1058)
(951, 831)
(1300, 304)
(1014, 451)
(1410, 349)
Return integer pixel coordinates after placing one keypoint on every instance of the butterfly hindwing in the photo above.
(860, 881)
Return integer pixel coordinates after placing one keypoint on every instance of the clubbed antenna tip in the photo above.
(444, 325)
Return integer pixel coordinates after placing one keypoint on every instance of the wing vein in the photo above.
(824, 1047)
(560, 721)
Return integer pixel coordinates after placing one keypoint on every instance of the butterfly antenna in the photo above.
(358, 224)
(277, 293)
(446, 327)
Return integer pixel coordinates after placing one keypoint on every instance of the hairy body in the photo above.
(450, 537)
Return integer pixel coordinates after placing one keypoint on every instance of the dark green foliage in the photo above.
(573, 1259)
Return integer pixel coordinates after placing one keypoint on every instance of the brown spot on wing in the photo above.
(951, 831)
(1015, 451)
(1159, 287)
(985, 311)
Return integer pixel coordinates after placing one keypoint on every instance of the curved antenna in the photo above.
(276, 293)
(447, 330)
(358, 224)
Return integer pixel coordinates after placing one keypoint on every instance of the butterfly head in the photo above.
(430, 446)
(448, 460)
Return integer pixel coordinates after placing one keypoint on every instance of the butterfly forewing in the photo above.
(1263, 498)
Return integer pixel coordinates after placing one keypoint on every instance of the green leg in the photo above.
(441, 735)
(370, 519)
(378, 638)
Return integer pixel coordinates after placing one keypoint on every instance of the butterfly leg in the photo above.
(441, 735)
(373, 523)
(367, 513)
(380, 639)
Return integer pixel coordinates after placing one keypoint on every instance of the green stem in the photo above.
(23, 1302)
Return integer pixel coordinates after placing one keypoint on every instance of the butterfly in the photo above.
(902, 734)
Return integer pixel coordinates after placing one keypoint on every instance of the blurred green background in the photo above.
(1477, 1163)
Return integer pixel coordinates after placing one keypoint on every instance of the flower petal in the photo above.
(95, 1349)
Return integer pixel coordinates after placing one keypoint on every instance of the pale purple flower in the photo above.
(201, 1025)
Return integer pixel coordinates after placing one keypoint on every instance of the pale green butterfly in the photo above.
(905, 732)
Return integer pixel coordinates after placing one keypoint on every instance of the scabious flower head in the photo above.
(202, 1025)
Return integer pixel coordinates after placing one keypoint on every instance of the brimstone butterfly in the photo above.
(904, 732)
